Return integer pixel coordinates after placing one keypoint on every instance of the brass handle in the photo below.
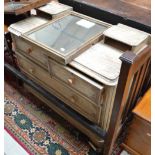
(31, 70)
(29, 50)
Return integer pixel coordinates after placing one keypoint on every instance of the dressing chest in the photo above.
(76, 58)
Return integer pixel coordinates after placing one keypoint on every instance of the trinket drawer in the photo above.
(76, 58)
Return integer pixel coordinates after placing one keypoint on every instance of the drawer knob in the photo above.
(29, 50)
(148, 134)
(31, 70)
(70, 81)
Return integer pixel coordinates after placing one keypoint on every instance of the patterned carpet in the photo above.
(38, 130)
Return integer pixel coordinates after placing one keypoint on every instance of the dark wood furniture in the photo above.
(134, 71)
(134, 13)
(21, 7)
(138, 140)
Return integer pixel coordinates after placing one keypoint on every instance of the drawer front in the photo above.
(72, 98)
(139, 136)
(76, 80)
(31, 51)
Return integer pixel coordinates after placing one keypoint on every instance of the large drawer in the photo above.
(76, 80)
(31, 51)
(68, 95)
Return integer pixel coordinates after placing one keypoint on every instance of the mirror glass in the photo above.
(67, 33)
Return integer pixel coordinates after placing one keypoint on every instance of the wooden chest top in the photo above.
(55, 9)
(26, 25)
(78, 41)
(100, 62)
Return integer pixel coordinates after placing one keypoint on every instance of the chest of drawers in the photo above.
(68, 94)
(81, 69)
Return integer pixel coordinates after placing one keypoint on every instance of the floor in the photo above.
(11, 147)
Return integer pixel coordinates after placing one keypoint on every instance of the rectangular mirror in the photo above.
(68, 35)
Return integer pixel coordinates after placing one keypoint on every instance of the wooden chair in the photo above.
(133, 81)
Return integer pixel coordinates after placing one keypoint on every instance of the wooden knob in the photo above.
(29, 50)
(70, 81)
(148, 134)
(31, 70)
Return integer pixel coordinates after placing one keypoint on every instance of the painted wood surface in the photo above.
(143, 109)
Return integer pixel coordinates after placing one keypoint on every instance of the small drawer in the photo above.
(31, 51)
(71, 97)
(76, 80)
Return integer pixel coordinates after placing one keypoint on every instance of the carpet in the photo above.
(38, 129)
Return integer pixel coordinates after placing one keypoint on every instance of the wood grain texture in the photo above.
(131, 64)
(97, 141)
(100, 62)
(135, 10)
(75, 100)
(143, 109)
(5, 28)
(53, 10)
(128, 149)
(83, 105)
(139, 136)
(73, 53)
(145, 4)
(31, 51)
(27, 24)
(133, 38)
(138, 140)
(108, 98)
(76, 80)
(66, 74)
(28, 5)
(127, 35)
